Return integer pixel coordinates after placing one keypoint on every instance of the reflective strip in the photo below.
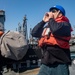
(46, 31)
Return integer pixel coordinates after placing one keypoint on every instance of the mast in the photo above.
(2, 20)
(23, 28)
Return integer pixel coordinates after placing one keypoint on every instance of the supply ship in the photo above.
(30, 63)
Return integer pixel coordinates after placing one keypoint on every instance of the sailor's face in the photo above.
(55, 13)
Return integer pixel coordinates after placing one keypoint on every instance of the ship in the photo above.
(32, 58)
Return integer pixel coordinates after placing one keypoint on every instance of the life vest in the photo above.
(1, 33)
(62, 42)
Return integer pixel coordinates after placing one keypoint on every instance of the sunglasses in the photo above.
(54, 10)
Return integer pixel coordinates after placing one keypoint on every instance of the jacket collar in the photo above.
(62, 19)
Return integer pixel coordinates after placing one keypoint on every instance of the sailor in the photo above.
(54, 33)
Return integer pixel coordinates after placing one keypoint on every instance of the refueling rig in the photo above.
(32, 57)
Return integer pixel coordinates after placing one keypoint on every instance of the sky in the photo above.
(34, 10)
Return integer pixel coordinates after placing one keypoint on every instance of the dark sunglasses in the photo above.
(54, 10)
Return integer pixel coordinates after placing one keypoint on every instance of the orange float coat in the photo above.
(51, 39)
